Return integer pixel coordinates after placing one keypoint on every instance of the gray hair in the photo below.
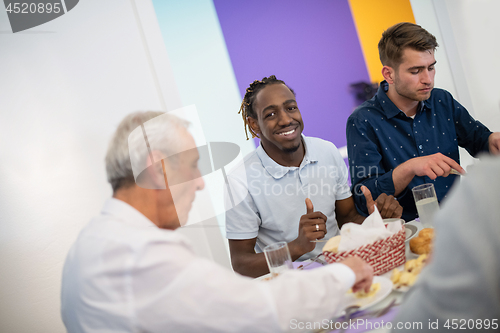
(119, 169)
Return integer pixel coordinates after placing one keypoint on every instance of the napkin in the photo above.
(372, 229)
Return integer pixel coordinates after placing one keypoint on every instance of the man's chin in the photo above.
(291, 149)
(183, 218)
(424, 96)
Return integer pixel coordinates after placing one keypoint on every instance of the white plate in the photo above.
(411, 230)
(385, 289)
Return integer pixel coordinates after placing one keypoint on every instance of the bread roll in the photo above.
(426, 233)
(332, 245)
(422, 244)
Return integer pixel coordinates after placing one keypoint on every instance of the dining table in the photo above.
(373, 318)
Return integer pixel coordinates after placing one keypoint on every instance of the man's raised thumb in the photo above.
(309, 206)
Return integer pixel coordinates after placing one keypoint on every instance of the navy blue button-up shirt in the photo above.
(380, 137)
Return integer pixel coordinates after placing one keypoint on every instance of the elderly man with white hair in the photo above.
(129, 271)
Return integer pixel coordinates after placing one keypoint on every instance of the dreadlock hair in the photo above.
(246, 108)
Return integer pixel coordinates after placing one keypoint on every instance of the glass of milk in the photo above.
(427, 203)
(278, 258)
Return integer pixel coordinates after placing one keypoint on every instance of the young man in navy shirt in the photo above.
(409, 133)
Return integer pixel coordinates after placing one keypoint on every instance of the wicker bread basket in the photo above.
(383, 255)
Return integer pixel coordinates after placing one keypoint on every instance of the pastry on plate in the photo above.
(422, 244)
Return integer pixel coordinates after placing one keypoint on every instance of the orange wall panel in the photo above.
(371, 18)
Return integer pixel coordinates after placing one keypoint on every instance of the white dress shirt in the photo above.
(124, 274)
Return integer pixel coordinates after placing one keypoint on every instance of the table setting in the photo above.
(372, 313)
(377, 311)
(396, 250)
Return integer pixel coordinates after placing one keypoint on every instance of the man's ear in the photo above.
(388, 73)
(254, 125)
(156, 174)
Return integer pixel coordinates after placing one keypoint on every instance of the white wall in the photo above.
(476, 27)
(64, 87)
(467, 56)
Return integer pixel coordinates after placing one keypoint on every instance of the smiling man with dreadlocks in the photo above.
(289, 174)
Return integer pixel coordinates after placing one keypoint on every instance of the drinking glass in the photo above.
(278, 258)
(427, 203)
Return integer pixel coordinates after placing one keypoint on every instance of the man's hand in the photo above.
(312, 226)
(494, 143)
(363, 272)
(433, 166)
(387, 205)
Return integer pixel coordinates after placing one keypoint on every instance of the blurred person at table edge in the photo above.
(294, 188)
(129, 271)
(460, 287)
(408, 134)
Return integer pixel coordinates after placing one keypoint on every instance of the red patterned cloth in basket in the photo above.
(383, 255)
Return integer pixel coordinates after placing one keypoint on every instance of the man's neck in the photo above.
(145, 201)
(408, 106)
(287, 159)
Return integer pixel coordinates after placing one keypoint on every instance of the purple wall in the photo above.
(311, 45)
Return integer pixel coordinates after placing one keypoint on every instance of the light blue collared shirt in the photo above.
(273, 196)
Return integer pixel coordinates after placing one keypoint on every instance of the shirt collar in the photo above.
(390, 109)
(426, 103)
(276, 170)
(126, 213)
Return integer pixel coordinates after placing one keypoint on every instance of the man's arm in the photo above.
(245, 261)
(226, 302)
(432, 166)
(366, 162)
(345, 211)
(367, 169)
